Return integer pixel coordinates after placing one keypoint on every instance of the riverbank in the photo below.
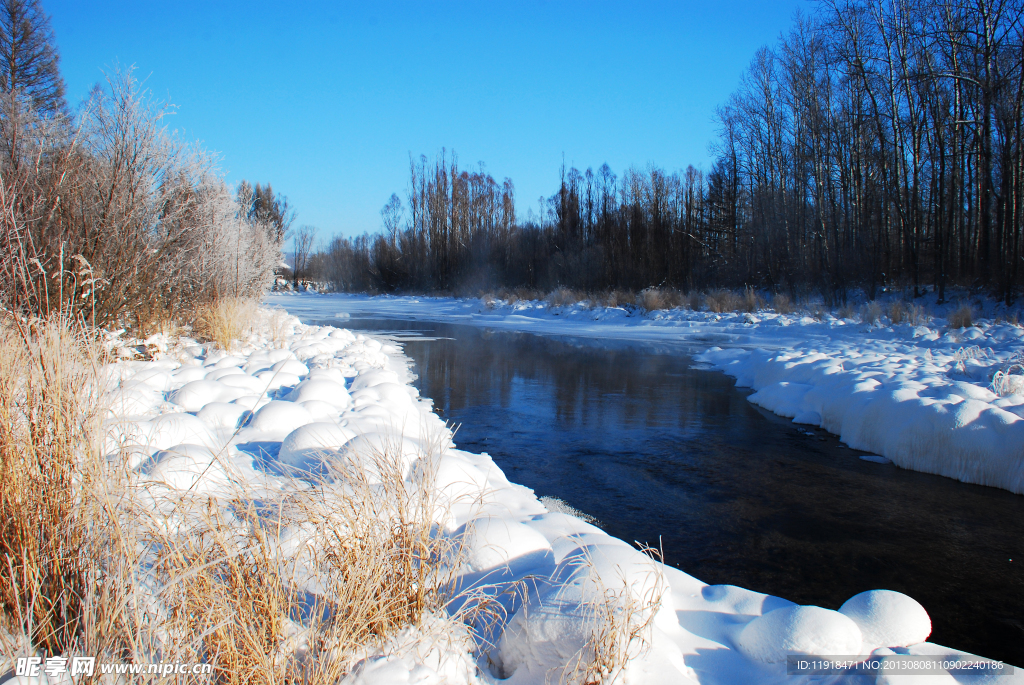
(546, 593)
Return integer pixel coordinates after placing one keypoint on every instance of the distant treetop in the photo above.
(29, 60)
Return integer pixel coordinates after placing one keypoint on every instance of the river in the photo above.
(661, 451)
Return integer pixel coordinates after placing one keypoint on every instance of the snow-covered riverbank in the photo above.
(570, 595)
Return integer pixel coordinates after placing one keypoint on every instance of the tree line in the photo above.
(877, 144)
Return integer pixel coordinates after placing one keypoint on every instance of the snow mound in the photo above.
(888, 619)
(191, 468)
(195, 395)
(278, 419)
(807, 630)
(322, 390)
(313, 443)
(491, 541)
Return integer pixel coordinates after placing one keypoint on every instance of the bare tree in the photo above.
(302, 244)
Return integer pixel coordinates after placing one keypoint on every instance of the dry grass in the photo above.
(846, 312)
(511, 296)
(100, 563)
(905, 312)
(1009, 379)
(48, 423)
(369, 566)
(782, 304)
(721, 301)
(962, 316)
(724, 300)
(693, 300)
(619, 620)
(615, 298)
(871, 313)
(278, 323)
(818, 310)
(565, 297)
(653, 299)
(751, 301)
(226, 322)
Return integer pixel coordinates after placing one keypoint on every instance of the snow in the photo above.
(806, 630)
(200, 420)
(888, 619)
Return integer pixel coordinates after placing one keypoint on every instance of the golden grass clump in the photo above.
(905, 312)
(227, 322)
(751, 301)
(264, 587)
(619, 620)
(871, 313)
(721, 301)
(565, 297)
(962, 316)
(50, 415)
(782, 304)
(652, 299)
(369, 564)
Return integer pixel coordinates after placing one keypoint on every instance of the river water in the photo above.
(665, 453)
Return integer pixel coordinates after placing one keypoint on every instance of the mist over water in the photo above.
(667, 454)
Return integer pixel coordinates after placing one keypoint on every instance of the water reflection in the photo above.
(658, 450)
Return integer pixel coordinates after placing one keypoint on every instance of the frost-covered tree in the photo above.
(29, 60)
(261, 205)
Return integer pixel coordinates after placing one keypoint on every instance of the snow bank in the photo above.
(916, 403)
(572, 598)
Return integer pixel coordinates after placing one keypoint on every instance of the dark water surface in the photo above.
(657, 450)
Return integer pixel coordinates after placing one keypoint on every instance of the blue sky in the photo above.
(326, 100)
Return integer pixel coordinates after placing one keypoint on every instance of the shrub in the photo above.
(651, 299)
(116, 220)
(962, 316)
(227, 322)
(871, 313)
(782, 304)
(751, 301)
(722, 300)
(693, 300)
(564, 297)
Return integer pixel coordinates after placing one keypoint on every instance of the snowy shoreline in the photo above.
(286, 400)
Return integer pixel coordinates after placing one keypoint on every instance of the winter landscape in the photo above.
(758, 420)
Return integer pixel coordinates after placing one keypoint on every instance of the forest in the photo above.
(876, 145)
